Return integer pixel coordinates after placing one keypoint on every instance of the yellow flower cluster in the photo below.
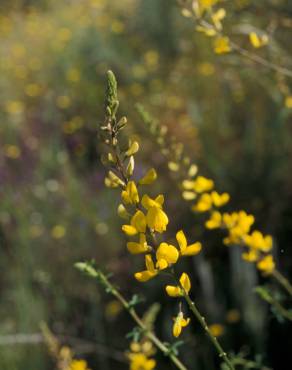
(146, 217)
(201, 186)
(140, 356)
(238, 225)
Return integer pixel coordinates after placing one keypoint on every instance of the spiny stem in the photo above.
(282, 281)
(204, 325)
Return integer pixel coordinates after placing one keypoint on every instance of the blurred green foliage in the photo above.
(230, 115)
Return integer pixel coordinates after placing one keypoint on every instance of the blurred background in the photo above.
(234, 119)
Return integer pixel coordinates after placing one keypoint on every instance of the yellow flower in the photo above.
(14, 107)
(219, 199)
(267, 264)
(137, 248)
(203, 204)
(139, 361)
(130, 194)
(12, 151)
(133, 148)
(150, 271)
(222, 45)
(257, 241)
(78, 365)
(138, 224)
(58, 232)
(177, 291)
(250, 256)
(156, 218)
(148, 202)
(207, 30)
(238, 225)
(288, 101)
(185, 249)
(179, 323)
(202, 184)
(206, 4)
(216, 330)
(217, 17)
(149, 177)
(166, 255)
(214, 221)
(258, 41)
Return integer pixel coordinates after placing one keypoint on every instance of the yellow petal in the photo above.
(157, 219)
(149, 263)
(167, 252)
(129, 230)
(139, 221)
(192, 249)
(134, 147)
(162, 264)
(144, 276)
(181, 239)
(148, 202)
(185, 282)
(267, 264)
(176, 330)
(215, 221)
(149, 177)
(173, 291)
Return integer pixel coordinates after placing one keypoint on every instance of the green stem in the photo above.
(147, 332)
(282, 281)
(204, 325)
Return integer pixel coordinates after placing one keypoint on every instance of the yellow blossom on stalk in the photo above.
(258, 41)
(149, 177)
(219, 199)
(150, 271)
(138, 224)
(267, 264)
(215, 221)
(251, 255)
(133, 148)
(204, 203)
(217, 17)
(177, 291)
(139, 361)
(238, 225)
(148, 202)
(257, 241)
(206, 4)
(137, 248)
(156, 218)
(179, 323)
(166, 255)
(208, 31)
(185, 249)
(130, 194)
(201, 184)
(58, 231)
(78, 365)
(222, 45)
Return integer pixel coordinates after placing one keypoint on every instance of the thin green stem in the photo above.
(204, 325)
(146, 331)
(282, 281)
